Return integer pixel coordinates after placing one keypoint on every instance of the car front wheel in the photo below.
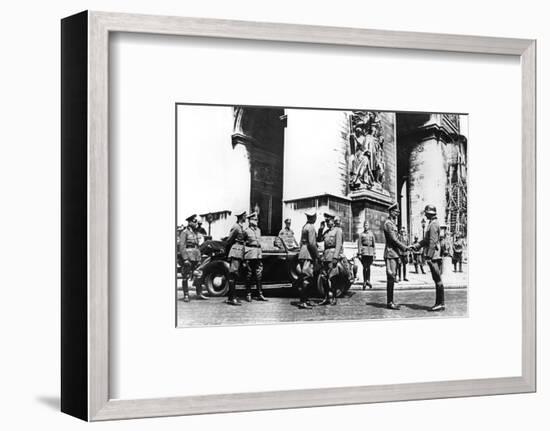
(216, 279)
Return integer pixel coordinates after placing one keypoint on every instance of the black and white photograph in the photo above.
(304, 214)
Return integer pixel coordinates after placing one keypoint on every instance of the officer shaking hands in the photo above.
(432, 255)
(392, 253)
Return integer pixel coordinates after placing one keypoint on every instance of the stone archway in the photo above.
(261, 131)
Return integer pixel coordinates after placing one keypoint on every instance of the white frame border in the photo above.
(100, 405)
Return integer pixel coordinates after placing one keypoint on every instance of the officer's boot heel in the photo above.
(200, 293)
(185, 287)
(261, 296)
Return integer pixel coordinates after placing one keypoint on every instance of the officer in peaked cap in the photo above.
(432, 255)
(392, 253)
(332, 253)
(366, 251)
(235, 245)
(307, 258)
(287, 235)
(190, 257)
(253, 258)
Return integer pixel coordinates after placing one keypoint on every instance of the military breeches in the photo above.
(187, 269)
(235, 267)
(306, 270)
(366, 262)
(254, 270)
(457, 257)
(391, 268)
(435, 269)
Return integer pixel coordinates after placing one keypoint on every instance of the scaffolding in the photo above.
(457, 197)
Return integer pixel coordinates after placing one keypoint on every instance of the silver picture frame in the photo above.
(85, 215)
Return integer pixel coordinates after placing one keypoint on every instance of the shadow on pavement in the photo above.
(416, 307)
(377, 304)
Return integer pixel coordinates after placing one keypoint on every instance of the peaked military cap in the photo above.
(310, 214)
(430, 209)
(393, 207)
(239, 215)
(252, 215)
(191, 217)
(329, 215)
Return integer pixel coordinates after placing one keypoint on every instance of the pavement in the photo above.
(450, 278)
(415, 296)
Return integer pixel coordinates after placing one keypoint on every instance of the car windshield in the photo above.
(272, 244)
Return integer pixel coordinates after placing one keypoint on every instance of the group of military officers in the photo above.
(244, 253)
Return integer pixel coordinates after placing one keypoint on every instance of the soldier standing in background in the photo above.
(190, 257)
(366, 252)
(417, 258)
(287, 236)
(432, 255)
(458, 248)
(391, 253)
(253, 258)
(235, 244)
(332, 251)
(307, 258)
(403, 255)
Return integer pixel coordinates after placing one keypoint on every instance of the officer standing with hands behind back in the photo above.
(366, 250)
(253, 258)
(334, 242)
(235, 244)
(307, 258)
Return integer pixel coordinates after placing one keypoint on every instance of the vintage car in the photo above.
(280, 267)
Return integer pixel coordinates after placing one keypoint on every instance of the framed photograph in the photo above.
(264, 216)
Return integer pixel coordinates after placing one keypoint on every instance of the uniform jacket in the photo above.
(430, 242)
(189, 245)
(252, 246)
(366, 244)
(235, 242)
(287, 235)
(334, 241)
(321, 234)
(458, 245)
(308, 241)
(393, 245)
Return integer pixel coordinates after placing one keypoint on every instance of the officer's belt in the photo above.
(191, 246)
(254, 245)
(329, 247)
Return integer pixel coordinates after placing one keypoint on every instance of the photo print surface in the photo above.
(301, 215)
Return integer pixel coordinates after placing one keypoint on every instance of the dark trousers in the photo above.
(418, 261)
(306, 272)
(402, 266)
(366, 262)
(254, 271)
(436, 267)
(235, 269)
(187, 269)
(391, 274)
(457, 258)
